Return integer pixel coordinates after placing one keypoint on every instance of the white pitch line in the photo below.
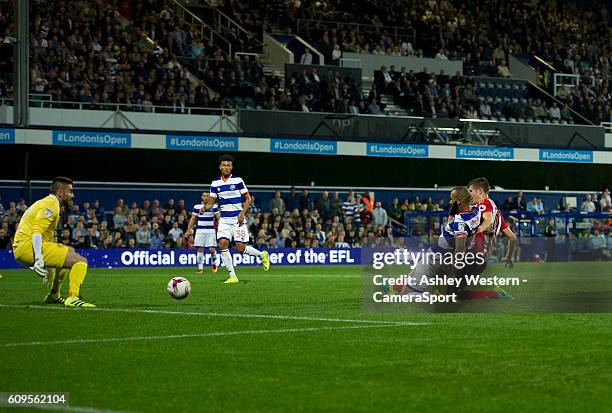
(230, 315)
(75, 409)
(178, 336)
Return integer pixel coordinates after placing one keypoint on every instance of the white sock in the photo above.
(213, 259)
(227, 259)
(200, 259)
(252, 251)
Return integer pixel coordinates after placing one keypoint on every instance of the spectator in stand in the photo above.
(554, 112)
(319, 235)
(349, 207)
(5, 239)
(535, 206)
(143, 236)
(175, 233)
(379, 216)
(340, 242)
(79, 231)
(157, 237)
(540, 206)
(306, 58)
(292, 200)
(166, 224)
(324, 206)
(335, 205)
(104, 231)
(395, 211)
(277, 203)
(119, 218)
(75, 213)
(92, 239)
(519, 202)
(304, 201)
(502, 69)
(605, 203)
(508, 204)
(130, 229)
(79, 243)
(587, 205)
(65, 238)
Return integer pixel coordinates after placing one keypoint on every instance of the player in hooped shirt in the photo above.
(204, 222)
(232, 196)
(463, 222)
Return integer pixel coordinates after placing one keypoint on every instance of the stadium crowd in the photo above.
(443, 96)
(330, 92)
(136, 53)
(293, 220)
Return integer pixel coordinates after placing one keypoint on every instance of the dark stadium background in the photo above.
(137, 165)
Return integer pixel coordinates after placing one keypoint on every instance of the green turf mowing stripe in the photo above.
(71, 409)
(230, 315)
(211, 334)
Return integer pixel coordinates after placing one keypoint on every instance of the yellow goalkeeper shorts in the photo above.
(54, 253)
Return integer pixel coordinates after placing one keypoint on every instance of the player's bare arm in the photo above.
(460, 246)
(245, 205)
(507, 260)
(487, 222)
(189, 231)
(460, 241)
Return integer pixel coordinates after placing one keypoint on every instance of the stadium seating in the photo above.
(136, 56)
(284, 222)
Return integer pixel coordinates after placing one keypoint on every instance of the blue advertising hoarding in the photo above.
(100, 139)
(303, 146)
(566, 155)
(202, 143)
(7, 136)
(140, 258)
(398, 150)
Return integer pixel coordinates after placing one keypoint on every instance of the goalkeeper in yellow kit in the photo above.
(34, 246)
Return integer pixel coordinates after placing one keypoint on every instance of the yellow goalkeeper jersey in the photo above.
(41, 218)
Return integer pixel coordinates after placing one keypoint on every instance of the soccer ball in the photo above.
(179, 288)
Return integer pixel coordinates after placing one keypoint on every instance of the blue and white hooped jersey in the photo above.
(228, 194)
(465, 223)
(206, 219)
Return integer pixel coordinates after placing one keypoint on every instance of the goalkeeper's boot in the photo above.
(77, 302)
(265, 260)
(54, 299)
(502, 294)
(231, 280)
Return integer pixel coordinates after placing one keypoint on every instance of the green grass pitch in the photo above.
(294, 339)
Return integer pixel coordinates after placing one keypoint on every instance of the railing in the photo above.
(46, 101)
(607, 126)
(395, 32)
(224, 25)
(524, 223)
(206, 31)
